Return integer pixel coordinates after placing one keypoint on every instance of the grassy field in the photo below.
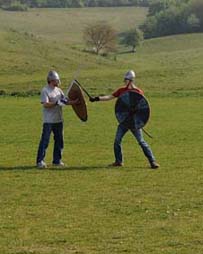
(87, 207)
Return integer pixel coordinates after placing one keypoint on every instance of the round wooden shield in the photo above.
(132, 110)
(74, 92)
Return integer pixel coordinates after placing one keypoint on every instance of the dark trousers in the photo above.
(57, 129)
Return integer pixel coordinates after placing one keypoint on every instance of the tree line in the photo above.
(25, 4)
(167, 17)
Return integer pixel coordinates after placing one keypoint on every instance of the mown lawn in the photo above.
(90, 208)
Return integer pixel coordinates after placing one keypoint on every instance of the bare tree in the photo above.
(100, 36)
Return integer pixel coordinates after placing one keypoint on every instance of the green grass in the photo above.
(38, 40)
(170, 65)
(66, 25)
(89, 208)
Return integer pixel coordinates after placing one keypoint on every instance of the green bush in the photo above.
(2, 92)
(131, 38)
(167, 17)
(15, 6)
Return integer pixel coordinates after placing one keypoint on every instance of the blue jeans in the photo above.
(121, 131)
(57, 129)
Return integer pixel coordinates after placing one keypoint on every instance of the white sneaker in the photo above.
(60, 164)
(41, 164)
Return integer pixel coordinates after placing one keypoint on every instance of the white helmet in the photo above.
(130, 75)
(53, 75)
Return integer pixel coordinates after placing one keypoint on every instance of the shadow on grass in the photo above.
(77, 168)
(68, 168)
(17, 167)
(126, 52)
(6, 168)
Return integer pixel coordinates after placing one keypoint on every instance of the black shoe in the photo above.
(116, 164)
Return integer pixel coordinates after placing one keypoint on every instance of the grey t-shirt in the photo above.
(54, 114)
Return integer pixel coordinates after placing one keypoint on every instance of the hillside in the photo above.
(66, 25)
(31, 43)
(88, 207)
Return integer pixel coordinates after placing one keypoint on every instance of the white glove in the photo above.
(62, 102)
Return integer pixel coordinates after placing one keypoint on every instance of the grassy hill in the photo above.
(33, 42)
(66, 25)
(87, 207)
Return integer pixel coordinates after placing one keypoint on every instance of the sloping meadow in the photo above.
(88, 207)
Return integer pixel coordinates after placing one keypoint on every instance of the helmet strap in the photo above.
(129, 82)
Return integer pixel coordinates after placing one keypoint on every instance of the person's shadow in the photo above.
(4, 168)
(94, 167)
(68, 168)
(31, 167)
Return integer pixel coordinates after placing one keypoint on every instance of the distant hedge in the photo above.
(18, 4)
(15, 6)
(27, 93)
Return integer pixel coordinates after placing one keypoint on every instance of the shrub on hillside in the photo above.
(196, 8)
(131, 38)
(15, 6)
(2, 93)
